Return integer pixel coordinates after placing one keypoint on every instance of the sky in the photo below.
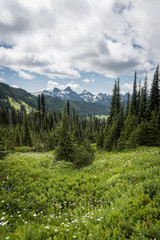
(84, 44)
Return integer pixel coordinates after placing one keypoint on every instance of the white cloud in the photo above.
(3, 80)
(24, 75)
(127, 87)
(88, 80)
(14, 86)
(59, 39)
(52, 84)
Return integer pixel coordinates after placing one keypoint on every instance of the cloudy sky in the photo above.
(84, 44)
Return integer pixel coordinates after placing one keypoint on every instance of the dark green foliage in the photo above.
(83, 156)
(155, 92)
(39, 106)
(134, 97)
(66, 147)
(68, 108)
(18, 138)
(43, 105)
(27, 139)
(100, 139)
(2, 150)
(115, 120)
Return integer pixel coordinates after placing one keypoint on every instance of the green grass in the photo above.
(102, 117)
(17, 106)
(116, 197)
(13, 103)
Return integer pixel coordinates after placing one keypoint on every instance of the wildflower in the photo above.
(34, 215)
(67, 230)
(90, 235)
(4, 223)
(56, 230)
(7, 237)
(98, 219)
(47, 227)
(99, 210)
(74, 236)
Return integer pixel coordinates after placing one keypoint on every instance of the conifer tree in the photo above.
(143, 102)
(134, 109)
(18, 139)
(68, 108)
(128, 104)
(100, 139)
(27, 140)
(155, 94)
(43, 105)
(115, 120)
(65, 148)
(39, 106)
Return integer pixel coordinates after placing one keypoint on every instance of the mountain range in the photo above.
(69, 94)
(19, 98)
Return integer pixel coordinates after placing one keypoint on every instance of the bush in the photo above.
(83, 157)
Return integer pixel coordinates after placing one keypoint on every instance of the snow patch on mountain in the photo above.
(69, 94)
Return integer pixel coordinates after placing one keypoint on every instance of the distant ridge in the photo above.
(69, 94)
(85, 96)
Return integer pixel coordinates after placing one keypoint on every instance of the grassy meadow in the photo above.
(116, 197)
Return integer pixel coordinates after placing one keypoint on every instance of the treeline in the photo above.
(66, 132)
(139, 123)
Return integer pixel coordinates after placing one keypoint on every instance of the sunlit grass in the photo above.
(116, 197)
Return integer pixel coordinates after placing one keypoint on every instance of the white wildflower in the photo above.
(47, 227)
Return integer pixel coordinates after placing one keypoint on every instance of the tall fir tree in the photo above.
(43, 105)
(68, 108)
(39, 106)
(134, 109)
(155, 93)
(65, 149)
(27, 139)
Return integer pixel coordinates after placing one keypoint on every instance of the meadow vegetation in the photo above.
(117, 196)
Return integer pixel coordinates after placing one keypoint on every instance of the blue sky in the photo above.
(84, 44)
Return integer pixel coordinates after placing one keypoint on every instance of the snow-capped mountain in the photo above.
(69, 94)
(87, 96)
